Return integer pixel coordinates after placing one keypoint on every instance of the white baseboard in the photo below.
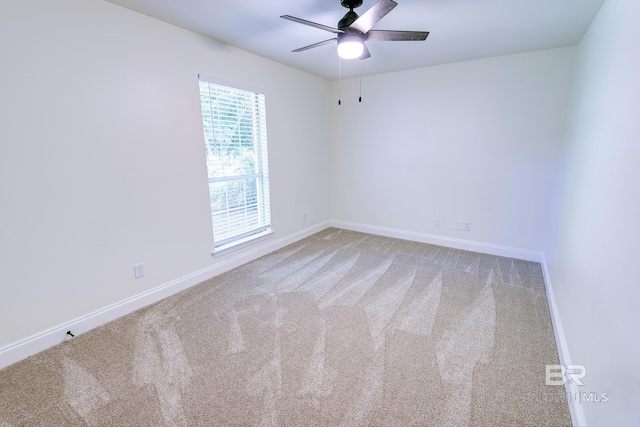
(450, 242)
(577, 412)
(36, 343)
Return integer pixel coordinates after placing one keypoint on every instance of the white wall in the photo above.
(593, 251)
(102, 156)
(476, 141)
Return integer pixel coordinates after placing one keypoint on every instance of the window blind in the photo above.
(235, 130)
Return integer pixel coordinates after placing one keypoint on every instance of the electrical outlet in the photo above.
(459, 225)
(436, 223)
(467, 226)
(138, 270)
(304, 216)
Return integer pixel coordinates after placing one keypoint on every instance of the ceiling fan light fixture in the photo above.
(350, 47)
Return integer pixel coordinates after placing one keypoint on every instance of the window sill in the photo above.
(242, 243)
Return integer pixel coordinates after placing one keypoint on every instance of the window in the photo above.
(235, 130)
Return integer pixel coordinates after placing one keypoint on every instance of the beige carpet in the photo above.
(341, 328)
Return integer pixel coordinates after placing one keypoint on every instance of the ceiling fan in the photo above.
(353, 29)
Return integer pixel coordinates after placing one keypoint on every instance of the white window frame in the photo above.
(263, 229)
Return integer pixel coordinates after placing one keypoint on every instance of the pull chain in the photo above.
(360, 98)
(339, 80)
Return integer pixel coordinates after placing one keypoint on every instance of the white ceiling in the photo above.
(460, 29)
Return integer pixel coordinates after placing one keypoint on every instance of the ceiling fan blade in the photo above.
(365, 54)
(396, 36)
(311, 46)
(372, 16)
(312, 24)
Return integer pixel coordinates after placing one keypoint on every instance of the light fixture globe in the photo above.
(350, 46)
